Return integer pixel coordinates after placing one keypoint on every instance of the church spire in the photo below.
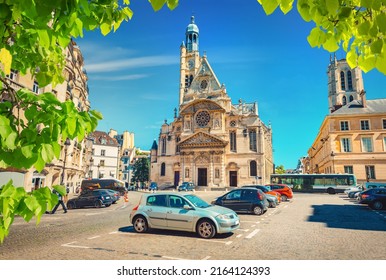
(192, 34)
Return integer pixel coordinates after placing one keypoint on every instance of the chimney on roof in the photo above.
(363, 98)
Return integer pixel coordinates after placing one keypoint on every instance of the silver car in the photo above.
(185, 212)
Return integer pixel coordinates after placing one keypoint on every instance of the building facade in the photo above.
(73, 164)
(211, 142)
(352, 137)
(105, 156)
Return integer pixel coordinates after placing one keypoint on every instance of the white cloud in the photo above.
(138, 62)
(120, 78)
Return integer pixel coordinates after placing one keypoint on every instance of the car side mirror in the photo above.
(187, 207)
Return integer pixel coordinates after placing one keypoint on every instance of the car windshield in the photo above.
(196, 201)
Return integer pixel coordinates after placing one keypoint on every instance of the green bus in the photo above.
(330, 183)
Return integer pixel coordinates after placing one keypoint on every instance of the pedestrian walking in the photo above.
(60, 202)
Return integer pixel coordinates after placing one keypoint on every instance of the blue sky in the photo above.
(134, 73)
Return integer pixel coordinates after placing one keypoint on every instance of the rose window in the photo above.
(202, 118)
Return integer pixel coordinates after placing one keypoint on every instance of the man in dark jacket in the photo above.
(60, 202)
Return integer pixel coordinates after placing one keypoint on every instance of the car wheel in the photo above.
(377, 205)
(108, 205)
(206, 229)
(257, 210)
(71, 205)
(272, 204)
(284, 197)
(98, 204)
(140, 224)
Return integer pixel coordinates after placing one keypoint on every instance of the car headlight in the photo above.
(225, 216)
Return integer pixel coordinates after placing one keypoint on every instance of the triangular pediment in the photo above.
(201, 140)
(205, 78)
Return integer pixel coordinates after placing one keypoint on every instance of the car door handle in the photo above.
(149, 210)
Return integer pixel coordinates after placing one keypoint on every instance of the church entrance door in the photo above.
(202, 177)
(233, 178)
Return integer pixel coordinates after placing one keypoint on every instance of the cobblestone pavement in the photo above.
(311, 226)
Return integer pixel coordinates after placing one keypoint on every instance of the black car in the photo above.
(244, 200)
(92, 198)
(375, 198)
(114, 195)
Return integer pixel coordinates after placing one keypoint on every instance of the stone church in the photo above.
(211, 142)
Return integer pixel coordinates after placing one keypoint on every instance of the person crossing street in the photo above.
(60, 202)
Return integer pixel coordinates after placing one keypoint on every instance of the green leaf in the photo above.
(96, 114)
(366, 3)
(269, 6)
(376, 47)
(286, 6)
(157, 4)
(44, 38)
(316, 38)
(345, 12)
(304, 10)
(381, 22)
(366, 63)
(363, 28)
(105, 28)
(47, 153)
(10, 142)
(332, 6)
(331, 44)
(56, 148)
(40, 163)
(381, 64)
(27, 150)
(172, 4)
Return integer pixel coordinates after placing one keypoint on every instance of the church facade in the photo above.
(211, 142)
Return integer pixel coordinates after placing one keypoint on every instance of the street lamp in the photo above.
(66, 144)
(333, 164)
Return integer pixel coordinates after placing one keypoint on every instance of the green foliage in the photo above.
(356, 26)
(33, 37)
(141, 170)
(279, 169)
(15, 201)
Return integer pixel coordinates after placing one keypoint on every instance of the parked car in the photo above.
(244, 200)
(265, 190)
(182, 212)
(153, 186)
(375, 198)
(284, 190)
(186, 186)
(272, 201)
(91, 198)
(114, 195)
(373, 185)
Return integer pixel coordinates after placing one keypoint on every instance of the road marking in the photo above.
(286, 206)
(92, 214)
(173, 258)
(253, 225)
(207, 257)
(94, 237)
(240, 229)
(217, 241)
(250, 222)
(238, 236)
(253, 233)
(74, 246)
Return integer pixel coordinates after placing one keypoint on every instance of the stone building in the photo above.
(74, 162)
(211, 142)
(352, 137)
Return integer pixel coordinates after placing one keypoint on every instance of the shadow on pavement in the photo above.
(358, 217)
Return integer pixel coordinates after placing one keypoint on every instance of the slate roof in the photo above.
(102, 138)
(355, 107)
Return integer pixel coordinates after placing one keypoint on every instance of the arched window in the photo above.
(349, 80)
(344, 100)
(163, 169)
(351, 98)
(163, 146)
(253, 168)
(342, 81)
